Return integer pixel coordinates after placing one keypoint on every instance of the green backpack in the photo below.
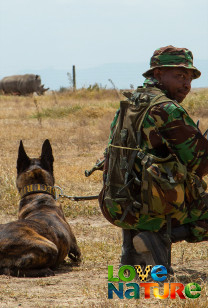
(128, 192)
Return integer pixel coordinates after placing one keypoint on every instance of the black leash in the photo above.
(74, 198)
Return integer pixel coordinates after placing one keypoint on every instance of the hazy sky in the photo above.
(39, 34)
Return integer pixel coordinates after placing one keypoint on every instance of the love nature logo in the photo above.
(158, 273)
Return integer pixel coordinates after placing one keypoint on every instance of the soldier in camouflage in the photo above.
(167, 128)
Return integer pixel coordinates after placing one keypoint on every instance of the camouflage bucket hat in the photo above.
(171, 56)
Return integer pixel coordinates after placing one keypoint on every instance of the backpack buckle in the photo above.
(170, 176)
(141, 155)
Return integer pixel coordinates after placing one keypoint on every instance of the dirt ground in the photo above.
(76, 147)
(86, 285)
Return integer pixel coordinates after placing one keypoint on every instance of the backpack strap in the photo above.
(155, 101)
(146, 160)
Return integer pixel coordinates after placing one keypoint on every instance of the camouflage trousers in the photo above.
(196, 215)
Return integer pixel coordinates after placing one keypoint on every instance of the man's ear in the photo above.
(157, 74)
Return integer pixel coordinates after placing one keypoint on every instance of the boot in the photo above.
(155, 245)
(129, 256)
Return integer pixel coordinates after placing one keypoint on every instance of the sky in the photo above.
(36, 35)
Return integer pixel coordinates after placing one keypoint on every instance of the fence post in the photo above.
(74, 77)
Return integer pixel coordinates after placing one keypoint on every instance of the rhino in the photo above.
(22, 85)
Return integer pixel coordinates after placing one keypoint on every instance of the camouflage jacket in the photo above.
(168, 127)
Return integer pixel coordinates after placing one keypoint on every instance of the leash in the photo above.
(73, 198)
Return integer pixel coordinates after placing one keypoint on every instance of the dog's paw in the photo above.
(75, 254)
(48, 272)
(43, 272)
(76, 258)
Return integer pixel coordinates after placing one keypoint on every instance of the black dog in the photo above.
(41, 238)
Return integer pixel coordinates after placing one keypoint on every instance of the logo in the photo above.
(143, 277)
(127, 289)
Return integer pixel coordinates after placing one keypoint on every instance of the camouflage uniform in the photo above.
(167, 128)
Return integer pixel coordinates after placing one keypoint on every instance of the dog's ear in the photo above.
(23, 161)
(47, 156)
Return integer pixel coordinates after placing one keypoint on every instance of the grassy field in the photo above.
(77, 125)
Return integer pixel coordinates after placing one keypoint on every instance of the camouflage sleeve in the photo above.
(182, 135)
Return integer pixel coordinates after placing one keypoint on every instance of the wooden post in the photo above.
(74, 77)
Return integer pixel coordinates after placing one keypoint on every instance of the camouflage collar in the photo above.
(150, 82)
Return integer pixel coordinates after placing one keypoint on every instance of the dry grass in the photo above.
(77, 125)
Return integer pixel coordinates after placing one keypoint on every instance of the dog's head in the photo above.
(35, 170)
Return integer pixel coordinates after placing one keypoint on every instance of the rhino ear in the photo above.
(47, 156)
(23, 161)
